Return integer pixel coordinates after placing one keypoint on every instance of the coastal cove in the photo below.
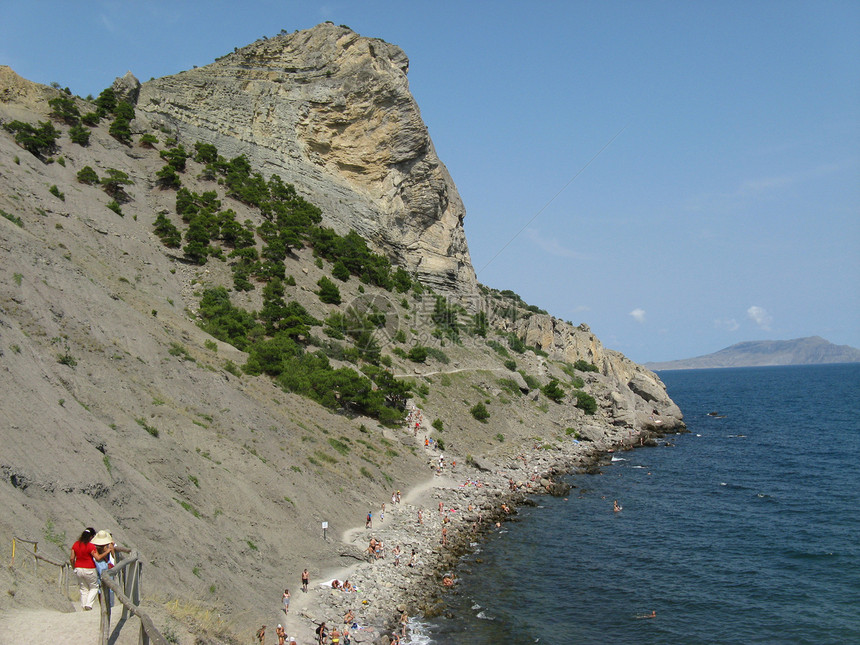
(743, 531)
(470, 502)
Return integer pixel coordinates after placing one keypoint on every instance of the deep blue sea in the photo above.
(746, 530)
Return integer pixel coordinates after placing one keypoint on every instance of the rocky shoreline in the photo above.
(469, 500)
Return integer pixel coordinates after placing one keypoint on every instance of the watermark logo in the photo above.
(371, 318)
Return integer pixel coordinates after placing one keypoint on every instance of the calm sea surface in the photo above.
(747, 530)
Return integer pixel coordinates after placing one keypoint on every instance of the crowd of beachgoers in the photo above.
(408, 546)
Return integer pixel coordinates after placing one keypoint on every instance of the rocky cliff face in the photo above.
(633, 394)
(331, 112)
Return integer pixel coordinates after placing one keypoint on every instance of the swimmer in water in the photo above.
(653, 614)
(616, 507)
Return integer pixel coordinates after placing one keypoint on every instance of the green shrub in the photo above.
(150, 429)
(328, 293)
(120, 129)
(38, 141)
(148, 140)
(585, 366)
(498, 348)
(417, 354)
(552, 391)
(114, 184)
(205, 153)
(179, 350)
(167, 231)
(511, 364)
(438, 424)
(56, 192)
(87, 175)
(438, 354)
(106, 101)
(530, 380)
(175, 157)
(64, 108)
(479, 324)
(515, 343)
(80, 135)
(115, 207)
(479, 411)
(585, 402)
(340, 271)
(510, 386)
(231, 367)
(538, 351)
(167, 177)
(15, 220)
(340, 446)
(445, 317)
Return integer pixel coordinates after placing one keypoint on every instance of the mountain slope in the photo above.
(799, 351)
(120, 411)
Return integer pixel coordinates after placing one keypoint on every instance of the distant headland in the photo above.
(799, 351)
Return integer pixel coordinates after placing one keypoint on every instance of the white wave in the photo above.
(483, 616)
(618, 458)
(476, 606)
(417, 633)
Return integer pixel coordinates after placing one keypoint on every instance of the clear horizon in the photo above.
(679, 176)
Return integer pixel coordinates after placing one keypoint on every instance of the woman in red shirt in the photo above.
(82, 561)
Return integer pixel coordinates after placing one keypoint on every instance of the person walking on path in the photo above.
(368, 523)
(261, 634)
(286, 600)
(84, 564)
(305, 580)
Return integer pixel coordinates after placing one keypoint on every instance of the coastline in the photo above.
(473, 498)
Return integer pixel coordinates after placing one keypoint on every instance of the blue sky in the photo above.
(727, 209)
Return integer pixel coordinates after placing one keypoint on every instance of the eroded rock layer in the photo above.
(331, 112)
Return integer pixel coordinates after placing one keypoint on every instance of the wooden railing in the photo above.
(64, 573)
(124, 581)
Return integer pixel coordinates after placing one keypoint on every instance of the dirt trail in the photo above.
(49, 627)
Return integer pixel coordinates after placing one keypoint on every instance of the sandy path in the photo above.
(301, 603)
(49, 627)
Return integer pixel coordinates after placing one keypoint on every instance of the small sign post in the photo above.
(324, 527)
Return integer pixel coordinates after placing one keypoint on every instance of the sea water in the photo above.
(745, 530)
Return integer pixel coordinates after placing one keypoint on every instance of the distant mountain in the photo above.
(800, 351)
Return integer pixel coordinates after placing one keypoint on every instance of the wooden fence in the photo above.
(123, 580)
(64, 572)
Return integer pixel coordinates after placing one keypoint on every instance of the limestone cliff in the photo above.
(633, 394)
(331, 112)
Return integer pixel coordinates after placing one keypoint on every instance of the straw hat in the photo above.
(101, 538)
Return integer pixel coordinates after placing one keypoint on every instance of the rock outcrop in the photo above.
(331, 112)
(635, 396)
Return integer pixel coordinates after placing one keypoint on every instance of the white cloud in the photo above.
(638, 315)
(760, 316)
(729, 324)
